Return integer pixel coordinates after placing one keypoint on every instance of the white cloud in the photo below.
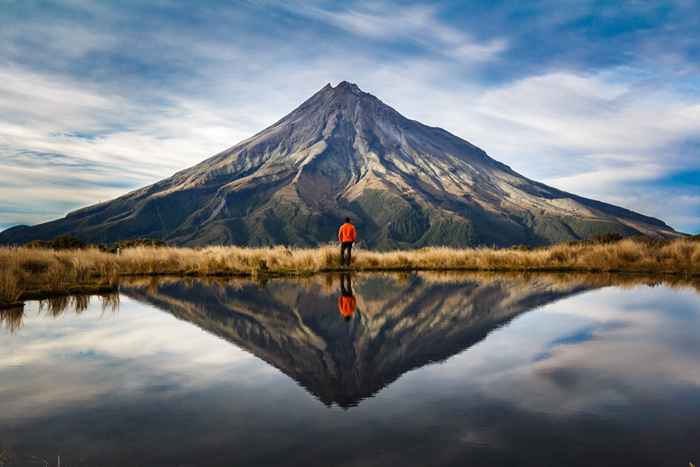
(65, 142)
(123, 356)
(617, 346)
(419, 25)
(55, 38)
(593, 134)
(593, 114)
(600, 180)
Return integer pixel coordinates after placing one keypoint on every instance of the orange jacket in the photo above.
(347, 233)
(346, 305)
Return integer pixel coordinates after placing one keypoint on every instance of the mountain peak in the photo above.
(344, 88)
(343, 152)
(347, 86)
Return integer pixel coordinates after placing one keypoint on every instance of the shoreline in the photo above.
(30, 272)
(610, 277)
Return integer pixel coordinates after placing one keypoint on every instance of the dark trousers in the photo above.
(345, 285)
(345, 253)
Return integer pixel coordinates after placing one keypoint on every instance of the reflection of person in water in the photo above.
(346, 301)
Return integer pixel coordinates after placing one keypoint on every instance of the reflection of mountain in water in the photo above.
(399, 325)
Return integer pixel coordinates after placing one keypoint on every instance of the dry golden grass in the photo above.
(24, 270)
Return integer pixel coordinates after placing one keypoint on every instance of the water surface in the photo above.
(384, 370)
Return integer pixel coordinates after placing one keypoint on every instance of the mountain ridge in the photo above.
(343, 152)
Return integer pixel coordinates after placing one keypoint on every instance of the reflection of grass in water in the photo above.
(110, 302)
(12, 319)
(54, 305)
(567, 279)
(372, 285)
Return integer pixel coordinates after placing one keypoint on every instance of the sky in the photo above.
(598, 98)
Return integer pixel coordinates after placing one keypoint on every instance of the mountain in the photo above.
(341, 153)
(401, 323)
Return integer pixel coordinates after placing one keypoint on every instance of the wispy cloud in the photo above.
(120, 96)
(596, 135)
(418, 25)
(85, 346)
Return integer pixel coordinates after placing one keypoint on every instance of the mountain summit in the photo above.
(343, 152)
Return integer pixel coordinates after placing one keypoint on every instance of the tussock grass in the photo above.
(28, 270)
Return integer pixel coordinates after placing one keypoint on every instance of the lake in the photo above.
(370, 370)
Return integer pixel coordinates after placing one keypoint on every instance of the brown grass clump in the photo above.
(27, 270)
(11, 319)
(10, 291)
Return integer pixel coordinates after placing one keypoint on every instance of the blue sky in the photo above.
(600, 98)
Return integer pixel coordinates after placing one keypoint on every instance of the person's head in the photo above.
(347, 220)
(347, 318)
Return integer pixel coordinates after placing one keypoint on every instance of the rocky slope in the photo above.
(341, 153)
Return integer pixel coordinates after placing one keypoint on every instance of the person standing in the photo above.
(346, 236)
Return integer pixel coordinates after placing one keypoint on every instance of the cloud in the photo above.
(595, 135)
(602, 138)
(579, 112)
(585, 352)
(123, 103)
(66, 144)
(418, 25)
(100, 354)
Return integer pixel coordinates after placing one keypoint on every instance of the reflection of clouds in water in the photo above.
(51, 362)
(607, 347)
(532, 390)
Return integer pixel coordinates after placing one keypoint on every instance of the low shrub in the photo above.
(64, 242)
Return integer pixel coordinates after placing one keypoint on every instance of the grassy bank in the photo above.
(28, 271)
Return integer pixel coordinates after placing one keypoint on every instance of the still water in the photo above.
(374, 370)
